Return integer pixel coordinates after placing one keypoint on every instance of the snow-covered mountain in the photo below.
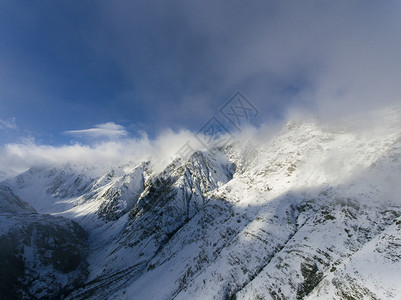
(314, 212)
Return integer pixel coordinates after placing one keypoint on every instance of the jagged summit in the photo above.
(297, 216)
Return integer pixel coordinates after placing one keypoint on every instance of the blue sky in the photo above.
(79, 71)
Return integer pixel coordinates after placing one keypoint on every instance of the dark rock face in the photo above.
(41, 256)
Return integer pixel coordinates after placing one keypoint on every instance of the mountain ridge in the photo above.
(281, 218)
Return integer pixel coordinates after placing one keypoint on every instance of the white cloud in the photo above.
(8, 124)
(16, 158)
(108, 130)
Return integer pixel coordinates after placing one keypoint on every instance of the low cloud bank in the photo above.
(18, 157)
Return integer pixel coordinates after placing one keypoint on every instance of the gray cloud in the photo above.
(332, 58)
